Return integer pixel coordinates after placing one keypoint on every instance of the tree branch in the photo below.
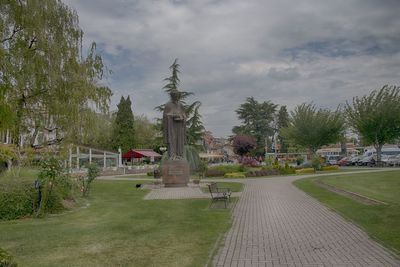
(14, 32)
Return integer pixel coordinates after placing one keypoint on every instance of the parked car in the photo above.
(346, 161)
(367, 161)
(393, 160)
(332, 160)
(354, 160)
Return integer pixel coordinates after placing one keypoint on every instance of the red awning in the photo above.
(140, 153)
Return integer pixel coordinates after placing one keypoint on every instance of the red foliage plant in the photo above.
(244, 144)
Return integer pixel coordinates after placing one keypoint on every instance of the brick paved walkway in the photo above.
(275, 224)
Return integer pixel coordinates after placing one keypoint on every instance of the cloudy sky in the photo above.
(288, 52)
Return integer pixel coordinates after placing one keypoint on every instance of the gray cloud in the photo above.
(284, 51)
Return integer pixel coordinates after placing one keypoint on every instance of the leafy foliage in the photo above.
(147, 133)
(257, 119)
(6, 260)
(93, 172)
(124, 129)
(50, 174)
(244, 144)
(312, 128)
(17, 199)
(376, 117)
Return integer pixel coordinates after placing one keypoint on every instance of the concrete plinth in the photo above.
(175, 173)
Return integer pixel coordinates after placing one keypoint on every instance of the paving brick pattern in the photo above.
(179, 193)
(275, 224)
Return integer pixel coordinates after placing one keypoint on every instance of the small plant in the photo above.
(93, 172)
(51, 170)
(6, 260)
(316, 163)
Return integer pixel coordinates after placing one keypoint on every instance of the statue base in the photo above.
(175, 173)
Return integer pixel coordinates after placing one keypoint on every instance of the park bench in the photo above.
(218, 193)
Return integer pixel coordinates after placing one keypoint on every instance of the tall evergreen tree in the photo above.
(124, 127)
(282, 121)
(194, 124)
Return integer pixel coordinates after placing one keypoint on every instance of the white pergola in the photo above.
(79, 155)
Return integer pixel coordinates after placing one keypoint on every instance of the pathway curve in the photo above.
(276, 224)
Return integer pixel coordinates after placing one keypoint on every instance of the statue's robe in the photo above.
(174, 128)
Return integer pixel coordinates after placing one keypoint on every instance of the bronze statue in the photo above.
(174, 126)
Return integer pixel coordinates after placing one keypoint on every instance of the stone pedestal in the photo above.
(175, 173)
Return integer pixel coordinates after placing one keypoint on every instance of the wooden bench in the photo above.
(218, 193)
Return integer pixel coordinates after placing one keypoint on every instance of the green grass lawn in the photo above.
(118, 228)
(234, 187)
(381, 222)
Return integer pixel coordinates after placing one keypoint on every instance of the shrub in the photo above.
(17, 199)
(150, 173)
(229, 168)
(299, 160)
(316, 163)
(282, 170)
(305, 170)
(214, 173)
(249, 162)
(262, 172)
(6, 260)
(330, 168)
(235, 175)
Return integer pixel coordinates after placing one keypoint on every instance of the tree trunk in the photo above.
(378, 148)
(343, 147)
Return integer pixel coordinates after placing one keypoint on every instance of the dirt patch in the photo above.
(69, 203)
(357, 197)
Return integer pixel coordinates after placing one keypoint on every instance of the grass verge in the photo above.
(380, 221)
(119, 228)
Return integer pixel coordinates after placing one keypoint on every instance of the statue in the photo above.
(174, 126)
(175, 170)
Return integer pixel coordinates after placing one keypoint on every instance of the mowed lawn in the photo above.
(118, 228)
(381, 222)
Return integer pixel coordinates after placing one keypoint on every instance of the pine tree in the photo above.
(194, 125)
(124, 130)
(282, 121)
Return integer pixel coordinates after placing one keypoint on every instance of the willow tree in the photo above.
(313, 128)
(44, 78)
(376, 117)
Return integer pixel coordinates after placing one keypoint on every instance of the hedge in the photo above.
(330, 168)
(305, 170)
(260, 173)
(19, 199)
(235, 175)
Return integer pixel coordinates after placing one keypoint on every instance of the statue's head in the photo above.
(174, 95)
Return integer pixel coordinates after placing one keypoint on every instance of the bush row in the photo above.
(330, 168)
(305, 170)
(260, 173)
(235, 175)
